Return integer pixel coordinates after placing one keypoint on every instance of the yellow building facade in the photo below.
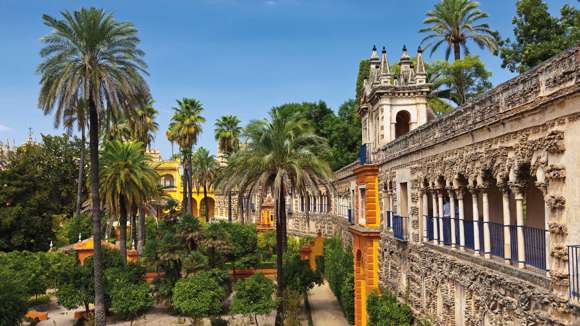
(172, 182)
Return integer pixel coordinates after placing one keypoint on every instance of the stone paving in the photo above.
(325, 308)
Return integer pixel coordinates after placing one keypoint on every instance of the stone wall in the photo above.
(435, 280)
(303, 224)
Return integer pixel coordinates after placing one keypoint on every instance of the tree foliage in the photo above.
(253, 296)
(37, 182)
(13, 300)
(538, 35)
(384, 310)
(339, 272)
(453, 23)
(129, 300)
(298, 275)
(198, 296)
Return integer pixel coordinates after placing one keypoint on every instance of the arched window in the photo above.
(167, 181)
(402, 126)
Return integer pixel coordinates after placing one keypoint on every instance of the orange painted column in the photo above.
(365, 237)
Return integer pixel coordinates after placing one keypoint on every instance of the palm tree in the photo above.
(143, 127)
(90, 56)
(127, 178)
(184, 129)
(281, 156)
(227, 133)
(205, 169)
(454, 22)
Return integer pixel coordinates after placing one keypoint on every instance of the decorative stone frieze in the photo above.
(556, 202)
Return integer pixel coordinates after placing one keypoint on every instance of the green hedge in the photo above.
(385, 310)
(338, 269)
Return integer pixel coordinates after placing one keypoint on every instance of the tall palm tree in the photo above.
(281, 156)
(144, 127)
(89, 55)
(205, 169)
(184, 129)
(127, 178)
(227, 133)
(454, 22)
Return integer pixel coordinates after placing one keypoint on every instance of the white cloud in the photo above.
(4, 128)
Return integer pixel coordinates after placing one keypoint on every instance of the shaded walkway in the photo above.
(325, 308)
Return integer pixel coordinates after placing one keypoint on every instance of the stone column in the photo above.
(475, 204)
(435, 218)
(506, 224)
(452, 217)
(518, 192)
(425, 214)
(461, 219)
(440, 206)
(391, 208)
(486, 235)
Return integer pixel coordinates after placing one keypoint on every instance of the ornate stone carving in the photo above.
(556, 202)
(555, 172)
(554, 142)
(558, 228)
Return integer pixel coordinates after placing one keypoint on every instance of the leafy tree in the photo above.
(198, 296)
(217, 245)
(28, 197)
(127, 179)
(253, 296)
(266, 244)
(130, 300)
(384, 310)
(184, 129)
(538, 35)
(299, 276)
(69, 229)
(90, 56)
(204, 173)
(13, 299)
(460, 80)
(244, 241)
(363, 73)
(281, 155)
(454, 22)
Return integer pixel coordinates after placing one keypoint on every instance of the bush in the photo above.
(253, 296)
(298, 275)
(198, 296)
(129, 300)
(384, 310)
(13, 299)
(338, 271)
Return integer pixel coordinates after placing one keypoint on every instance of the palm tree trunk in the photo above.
(133, 226)
(456, 51)
(206, 208)
(141, 230)
(280, 249)
(190, 184)
(184, 202)
(81, 172)
(123, 230)
(230, 206)
(100, 317)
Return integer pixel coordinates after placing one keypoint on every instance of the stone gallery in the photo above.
(469, 218)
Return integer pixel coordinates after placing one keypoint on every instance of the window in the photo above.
(403, 123)
(167, 181)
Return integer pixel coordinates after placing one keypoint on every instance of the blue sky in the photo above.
(237, 56)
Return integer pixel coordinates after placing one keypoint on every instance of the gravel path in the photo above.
(325, 308)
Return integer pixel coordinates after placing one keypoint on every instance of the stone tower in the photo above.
(393, 102)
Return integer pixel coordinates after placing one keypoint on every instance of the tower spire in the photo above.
(384, 63)
(420, 71)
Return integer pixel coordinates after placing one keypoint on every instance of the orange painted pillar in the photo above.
(365, 237)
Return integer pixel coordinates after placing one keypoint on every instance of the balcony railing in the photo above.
(446, 230)
(496, 238)
(468, 234)
(399, 223)
(366, 154)
(429, 224)
(574, 274)
(535, 243)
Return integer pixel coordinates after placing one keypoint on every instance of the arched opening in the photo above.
(210, 205)
(167, 181)
(403, 123)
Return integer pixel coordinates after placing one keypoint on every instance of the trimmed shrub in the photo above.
(384, 310)
(198, 296)
(338, 271)
(129, 300)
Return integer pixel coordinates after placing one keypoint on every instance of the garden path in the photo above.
(325, 308)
